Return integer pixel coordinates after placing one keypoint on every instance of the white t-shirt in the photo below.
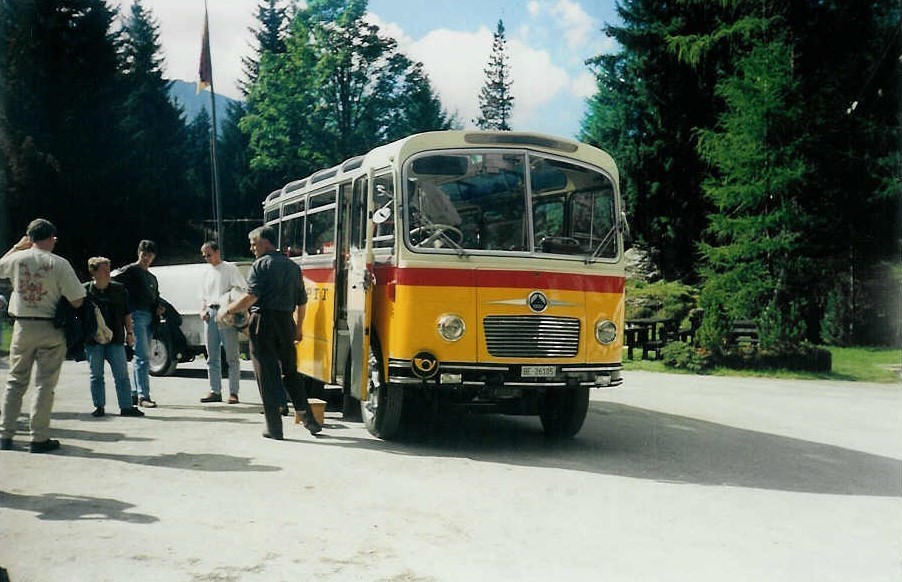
(39, 279)
(219, 280)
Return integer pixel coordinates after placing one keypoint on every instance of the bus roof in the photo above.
(401, 149)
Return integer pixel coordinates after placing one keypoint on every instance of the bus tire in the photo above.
(382, 408)
(564, 412)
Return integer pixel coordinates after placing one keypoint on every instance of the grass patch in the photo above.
(6, 336)
(850, 364)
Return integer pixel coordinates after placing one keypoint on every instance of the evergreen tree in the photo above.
(270, 36)
(495, 98)
(753, 267)
(419, 108)
(155, 155)
(645, 113)
(58, 85)
(851, 86)
(241, 194)
(199, 163)
(340, 89)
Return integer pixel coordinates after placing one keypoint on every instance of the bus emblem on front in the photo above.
(537, 301)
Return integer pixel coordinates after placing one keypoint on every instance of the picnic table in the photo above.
(649, 333)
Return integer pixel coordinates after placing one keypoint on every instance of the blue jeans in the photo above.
(114, 354)
(227, 337)
(143, 323)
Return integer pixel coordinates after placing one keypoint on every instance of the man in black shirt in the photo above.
(278, 302)
(144, 293)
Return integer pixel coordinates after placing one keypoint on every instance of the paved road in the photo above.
(673, 478)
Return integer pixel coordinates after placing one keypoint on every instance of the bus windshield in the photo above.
(508, 202)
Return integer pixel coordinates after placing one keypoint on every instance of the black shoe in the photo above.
(308, 421)
(212, 397)
(45, 446)
(313, 426)
(6, 444)
(275, 437)
(147, 403)
(134, 400)
(98, 411)
(133, 411)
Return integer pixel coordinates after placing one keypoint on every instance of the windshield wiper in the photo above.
(602, 245)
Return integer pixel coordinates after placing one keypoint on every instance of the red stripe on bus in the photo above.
(425, 277)
(320, 275)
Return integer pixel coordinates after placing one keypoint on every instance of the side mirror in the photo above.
(625, 230)
(382, 215)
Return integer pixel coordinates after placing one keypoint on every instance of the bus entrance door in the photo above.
(359, 289)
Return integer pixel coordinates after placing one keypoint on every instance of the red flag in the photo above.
(205, 72)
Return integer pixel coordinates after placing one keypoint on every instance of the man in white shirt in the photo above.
(220, 277)
(40, 279)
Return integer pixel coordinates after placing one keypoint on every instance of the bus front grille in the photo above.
(531, 336)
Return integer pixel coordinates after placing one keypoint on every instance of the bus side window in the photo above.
(292, 236)
(321, 224)
(384, 234)
(358, 213)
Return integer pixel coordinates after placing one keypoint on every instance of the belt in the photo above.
(26, 318)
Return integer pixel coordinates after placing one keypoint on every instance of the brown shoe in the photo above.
(233, 399)
(212, 397)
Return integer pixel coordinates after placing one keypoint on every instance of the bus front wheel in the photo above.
(564, 412)
(381, 409)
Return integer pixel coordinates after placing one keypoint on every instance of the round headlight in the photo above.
(605, 331)
(451, 327)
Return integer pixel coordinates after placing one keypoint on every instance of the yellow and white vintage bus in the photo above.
(467, 269)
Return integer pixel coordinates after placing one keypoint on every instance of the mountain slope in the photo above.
(185, 94)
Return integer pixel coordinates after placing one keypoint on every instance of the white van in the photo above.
(180, 336)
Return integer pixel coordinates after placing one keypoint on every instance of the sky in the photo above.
(548, 42)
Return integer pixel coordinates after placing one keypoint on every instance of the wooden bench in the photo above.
(669, 332)
(743, 332)
(635, 336)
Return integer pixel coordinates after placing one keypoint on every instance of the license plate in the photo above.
(537, 371)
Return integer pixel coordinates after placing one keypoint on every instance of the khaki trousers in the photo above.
(40, 345)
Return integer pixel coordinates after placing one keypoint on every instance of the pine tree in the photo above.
(495, 98)
(273, 25)
(197, 155)
(58, 85)
(645, 113)
(156, 133)
(419, 108)
(340, 89)
(753, 268)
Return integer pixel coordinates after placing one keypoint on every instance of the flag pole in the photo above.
(206, 78)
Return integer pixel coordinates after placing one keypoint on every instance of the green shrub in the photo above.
(684, 356)
(804, 357)
(670, 299)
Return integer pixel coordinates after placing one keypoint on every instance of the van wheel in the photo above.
(161, 361)
(564, 411)
(381, 411)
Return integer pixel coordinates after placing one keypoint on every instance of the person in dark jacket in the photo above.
(111, 298)
(278, 302)
(144, 292)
